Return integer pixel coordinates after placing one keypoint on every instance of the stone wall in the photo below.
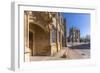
(42, 43)
(40, 24)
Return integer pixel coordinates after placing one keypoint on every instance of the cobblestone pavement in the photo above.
(78, 51)
(79, 54)
(57, 56)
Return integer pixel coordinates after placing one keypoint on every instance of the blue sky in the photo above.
(78, 20)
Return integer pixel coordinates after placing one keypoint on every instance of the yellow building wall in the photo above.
(53, 49)
(59, 46)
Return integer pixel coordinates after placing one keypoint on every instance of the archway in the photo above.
(39, 41)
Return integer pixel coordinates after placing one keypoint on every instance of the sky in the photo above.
(78, 20)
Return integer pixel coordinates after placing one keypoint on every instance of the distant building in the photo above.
(44, 33)
(74, 35)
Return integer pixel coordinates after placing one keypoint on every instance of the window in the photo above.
(54, 35)
(59, 36)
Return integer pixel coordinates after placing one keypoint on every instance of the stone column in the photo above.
(57, 24)
(50, 28)
(61, 39)
(26, 37)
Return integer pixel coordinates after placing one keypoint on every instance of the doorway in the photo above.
(31, 42)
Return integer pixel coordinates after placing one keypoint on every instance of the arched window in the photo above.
(54, 35)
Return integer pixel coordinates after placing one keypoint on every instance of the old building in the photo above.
(74, 35)
(44, 33)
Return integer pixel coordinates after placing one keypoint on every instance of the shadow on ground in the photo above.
(81, 46)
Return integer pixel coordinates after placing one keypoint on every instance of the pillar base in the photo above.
(27, 54)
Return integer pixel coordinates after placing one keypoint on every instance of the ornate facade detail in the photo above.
(74, 35)
(44, 33)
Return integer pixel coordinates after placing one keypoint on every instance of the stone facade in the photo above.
(44, 33)
(74, 35)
